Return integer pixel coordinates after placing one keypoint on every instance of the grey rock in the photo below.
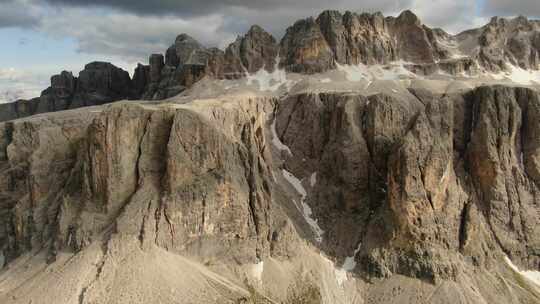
(305, 50)
(431, 188)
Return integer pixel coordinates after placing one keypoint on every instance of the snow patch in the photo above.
(313, 179)
(276, 141)
(533, 276)
(270, 81)
(354, 72)
(306, 209)
(341, 276)
(518, 75)
(257, 271)
(348, 265)
(392, 71)
(326, 80)
(350, 262)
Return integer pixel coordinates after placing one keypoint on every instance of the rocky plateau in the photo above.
(361, 159)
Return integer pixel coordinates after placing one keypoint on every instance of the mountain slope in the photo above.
(199, 186)
(341, 184)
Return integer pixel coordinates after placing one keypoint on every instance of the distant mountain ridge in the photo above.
(310, 45)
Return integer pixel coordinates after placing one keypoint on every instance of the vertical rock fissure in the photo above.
(142, 231)
(463, 225)
(203, 221)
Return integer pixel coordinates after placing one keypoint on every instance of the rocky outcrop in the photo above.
(418, 183)
(418, 186)
(98, 83)
(312, 46)
(248, 54)
(187, 61)
(504, 41)
(213, 203)
(37, 156)
(305, 50)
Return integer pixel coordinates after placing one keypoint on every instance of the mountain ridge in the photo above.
(389, 182)
(335, 38)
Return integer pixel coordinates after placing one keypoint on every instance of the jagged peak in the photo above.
(255, 28)
(185, 38)
(330, 14)
(305, 22)
(408, 17)
(503, 21)
(98, 65)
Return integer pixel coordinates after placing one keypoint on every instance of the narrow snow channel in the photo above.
(257, 271)
(276, 141)
(348, 265)
(306, 210)
(313, 179)
(533, 276)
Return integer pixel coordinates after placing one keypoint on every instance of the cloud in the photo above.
(529, 8)
(212, 22)
(19, 13)
(275, 15)
(199, 8)
(18, 84)
(452, 16)
(130, 36)
(134, 29)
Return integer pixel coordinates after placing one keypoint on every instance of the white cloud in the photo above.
(529, 8)
(453, 16)
(131, 37)
(18, 84)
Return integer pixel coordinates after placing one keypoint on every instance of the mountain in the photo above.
(309, 46)
(362, 159)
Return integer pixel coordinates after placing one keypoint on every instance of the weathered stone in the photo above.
(305, 50)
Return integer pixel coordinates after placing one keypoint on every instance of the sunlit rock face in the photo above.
(361, 159)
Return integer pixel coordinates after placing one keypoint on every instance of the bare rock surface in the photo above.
(419, 197)
(339, 165)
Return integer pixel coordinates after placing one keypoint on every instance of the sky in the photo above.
(41, 38)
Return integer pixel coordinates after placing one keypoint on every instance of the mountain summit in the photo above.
(361, 159)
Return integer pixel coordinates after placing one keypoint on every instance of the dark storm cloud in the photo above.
(511, 8)
(187, 8)
(16, 13)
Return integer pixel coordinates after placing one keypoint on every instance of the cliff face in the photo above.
(503, 41)
(323, 191)
(316, 45)
(423, 186)
(98, 83)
